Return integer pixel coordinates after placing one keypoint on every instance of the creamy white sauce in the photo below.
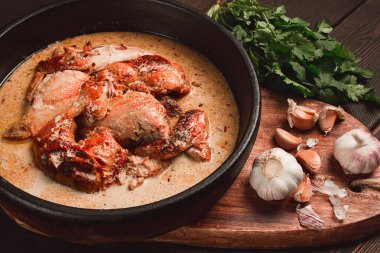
(213, 96)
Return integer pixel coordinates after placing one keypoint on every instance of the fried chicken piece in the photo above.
(200, 152)
(160, 75)
(55, 94)
(89, 165)
(135, 116)
(149, 73)
(141, 168)
(115, 78)
(190, 134)
(89, 58)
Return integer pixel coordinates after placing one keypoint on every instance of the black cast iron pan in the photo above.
(166, 18)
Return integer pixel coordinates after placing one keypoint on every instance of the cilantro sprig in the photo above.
(291, 56)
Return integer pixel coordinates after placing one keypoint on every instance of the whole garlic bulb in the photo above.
(357, 151)
(275, 174)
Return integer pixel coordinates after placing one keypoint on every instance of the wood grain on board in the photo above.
(337, 11)
(242, 220)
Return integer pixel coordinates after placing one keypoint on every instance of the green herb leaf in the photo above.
(371, 97)
(350, 67)
(288, 53)
(328, 45)
(290, 83)
(356, 92)
(299, 70)
(239, 33)
(305, 51)
(324, 27)
(328, 95)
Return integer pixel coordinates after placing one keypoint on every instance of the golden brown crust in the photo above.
(116, 103)
(191, 131)
(88, 165)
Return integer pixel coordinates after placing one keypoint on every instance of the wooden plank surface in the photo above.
(242, 220)
(337, 12)
(332, 10)
(16, 239)
(361, 35)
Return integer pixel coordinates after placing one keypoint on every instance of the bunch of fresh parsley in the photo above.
(289, 55)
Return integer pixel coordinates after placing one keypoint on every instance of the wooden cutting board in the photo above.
(242, 220)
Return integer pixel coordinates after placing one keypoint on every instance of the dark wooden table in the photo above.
(356, 23)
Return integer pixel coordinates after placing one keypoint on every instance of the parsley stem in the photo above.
(269, 26)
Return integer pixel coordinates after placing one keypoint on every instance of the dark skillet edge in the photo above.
(17, 197)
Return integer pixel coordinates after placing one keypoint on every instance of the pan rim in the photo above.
(93, 215)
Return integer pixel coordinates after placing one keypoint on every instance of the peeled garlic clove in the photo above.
(304, 191)
(328, 116)
(357, 151)
(301, 117)
(286, 140)
(275, 174)
(309, 159)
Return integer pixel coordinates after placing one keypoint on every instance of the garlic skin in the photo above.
(311, 143)
(301, 117)
(308, 218)
(328, 116)
(357, 151)
(275, 174)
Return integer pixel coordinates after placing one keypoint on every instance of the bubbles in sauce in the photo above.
(210, 92)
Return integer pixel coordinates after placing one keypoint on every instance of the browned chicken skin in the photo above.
(135, 116)
(141, 168)
(88, 165)
(112, 89)
(89, 58)
(149, 73)
(55, 94)
(190, 134)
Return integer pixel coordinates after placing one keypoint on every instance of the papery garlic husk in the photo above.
(357, 151)
(311, 143)
(307, 217)
(301, 117)
(339, 209)
(331, 189)
(275, 174)
(328, 116)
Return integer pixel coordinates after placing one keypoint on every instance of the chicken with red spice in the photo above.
(99, 113)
